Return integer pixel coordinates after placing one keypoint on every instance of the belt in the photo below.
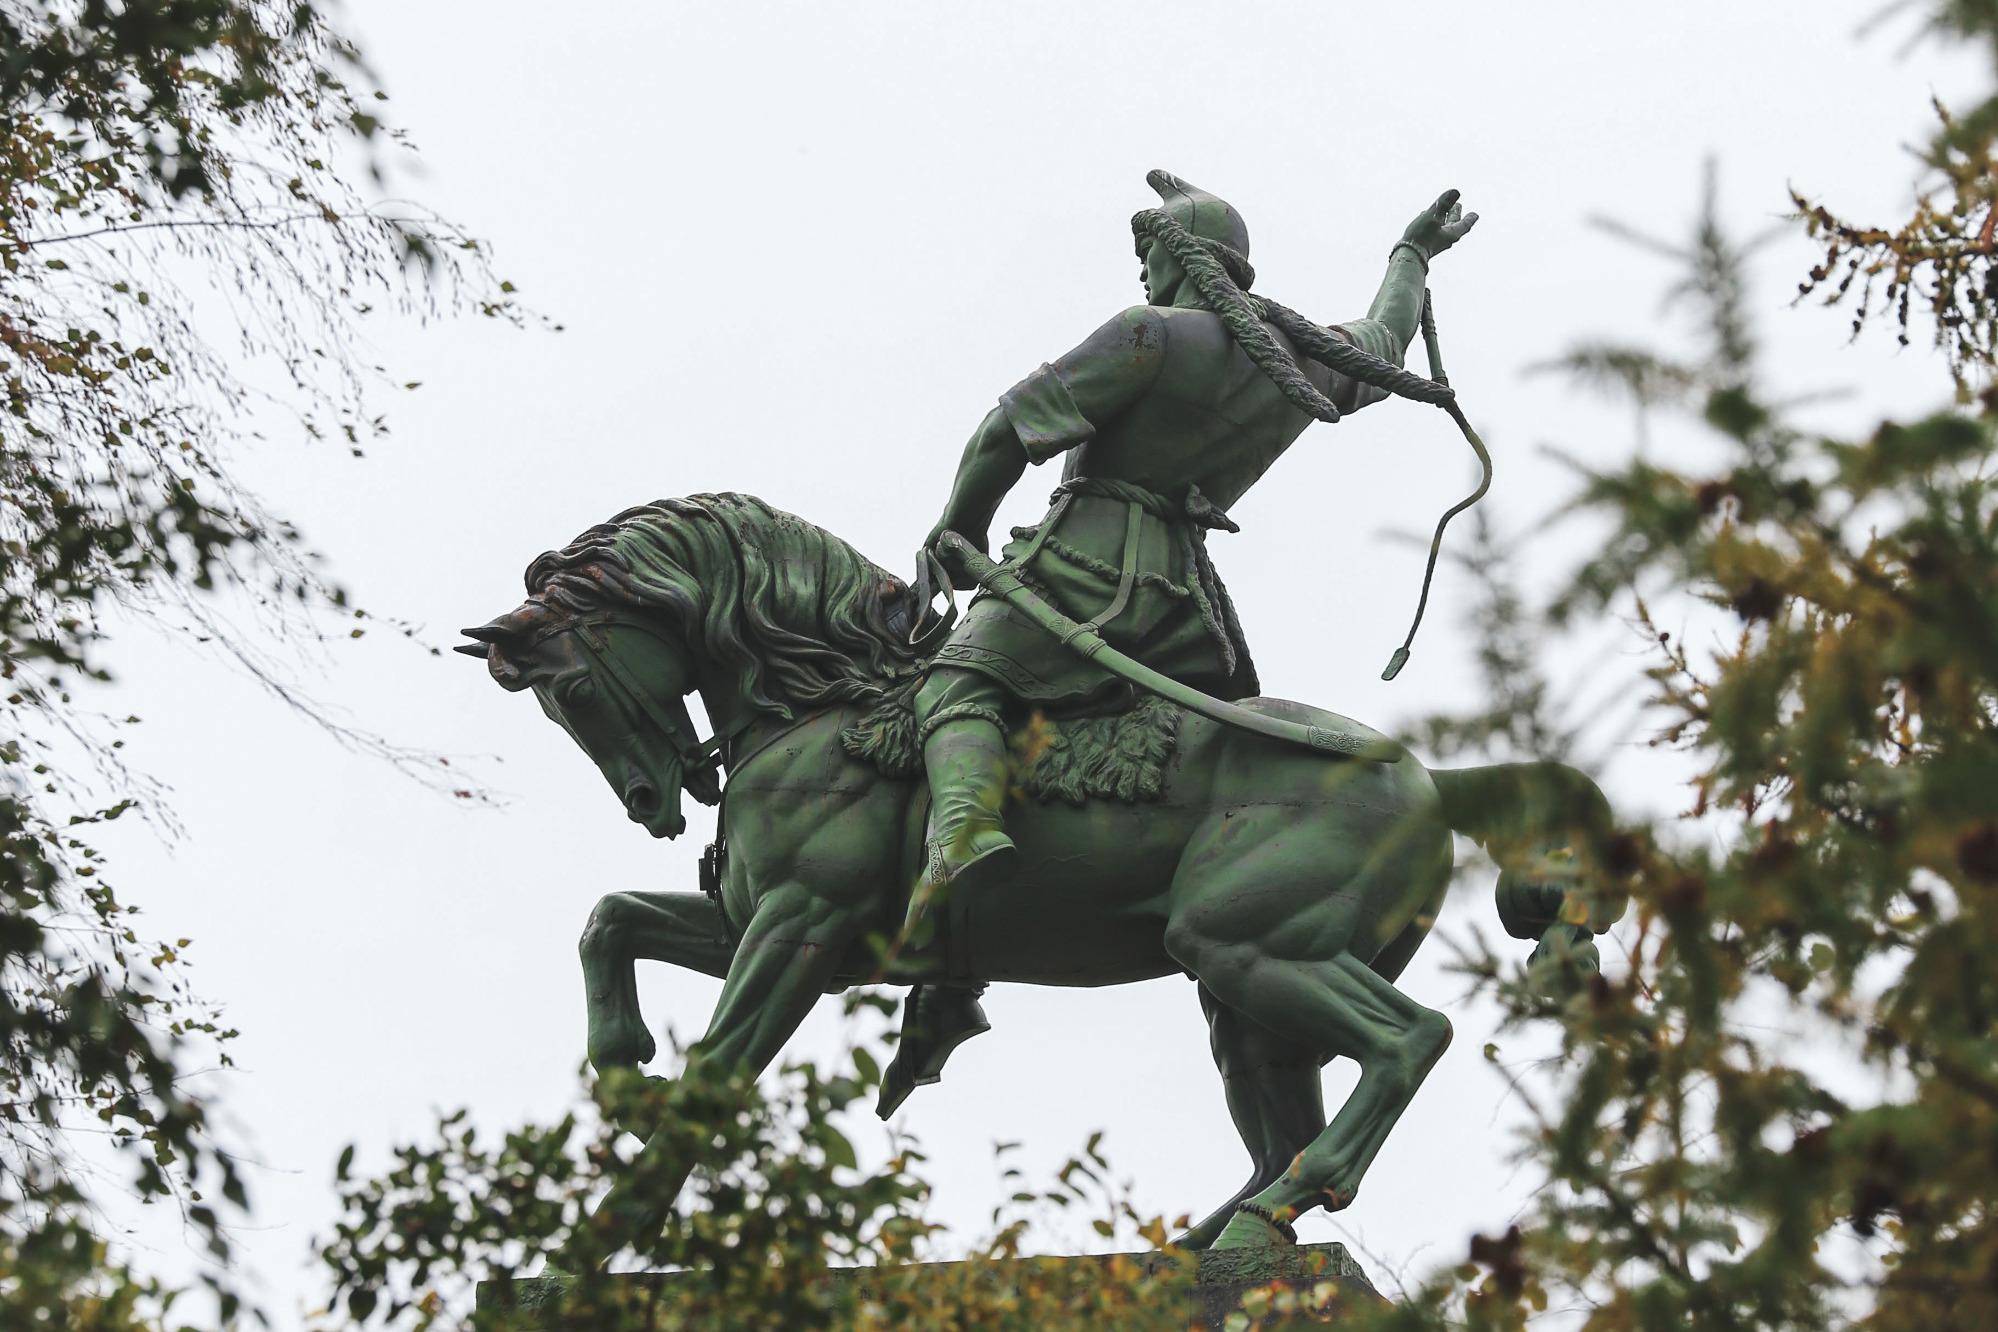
(1189, 521)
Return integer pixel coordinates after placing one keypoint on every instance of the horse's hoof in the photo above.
(628, 1098)
(1246, 1230)
(1197, 1239)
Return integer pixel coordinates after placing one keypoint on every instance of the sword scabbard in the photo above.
(1351, 740)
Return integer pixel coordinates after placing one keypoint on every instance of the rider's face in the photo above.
(1161, 274)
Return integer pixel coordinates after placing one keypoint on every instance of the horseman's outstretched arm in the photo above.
(1388, 328)
(1397, 309)
(1397, 305)
(1051, 411)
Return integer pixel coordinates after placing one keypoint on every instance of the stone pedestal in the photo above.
(1201, 1297)
(1224, 1276)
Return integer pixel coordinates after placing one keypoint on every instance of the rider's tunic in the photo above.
(1126, 539)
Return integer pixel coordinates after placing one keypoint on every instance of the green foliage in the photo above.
(1844, 737)
(1942, 256)
(157, 158)
(1779, 1107)
(756, 1241)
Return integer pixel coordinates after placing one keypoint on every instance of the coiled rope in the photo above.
(1222, 276)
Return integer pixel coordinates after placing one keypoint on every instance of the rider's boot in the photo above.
(967, 844)
(936, 1019)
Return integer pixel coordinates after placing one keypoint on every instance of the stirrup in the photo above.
(919, 1058)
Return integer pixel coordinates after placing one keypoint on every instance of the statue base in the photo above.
(1201, 1294)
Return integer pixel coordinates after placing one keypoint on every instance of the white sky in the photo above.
(799, 249)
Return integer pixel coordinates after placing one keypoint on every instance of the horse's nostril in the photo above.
(641, 798)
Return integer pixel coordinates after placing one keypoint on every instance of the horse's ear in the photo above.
(495, 642)
(498, 664)
(503, 628)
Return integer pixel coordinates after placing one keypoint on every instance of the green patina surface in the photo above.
(1291, 882)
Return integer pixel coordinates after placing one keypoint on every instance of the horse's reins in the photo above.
(699, 759)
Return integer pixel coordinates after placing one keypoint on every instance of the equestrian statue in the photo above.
(1077, 783)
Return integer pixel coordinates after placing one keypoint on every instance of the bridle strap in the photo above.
(697, 757)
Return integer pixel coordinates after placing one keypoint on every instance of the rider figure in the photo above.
(1168, 413)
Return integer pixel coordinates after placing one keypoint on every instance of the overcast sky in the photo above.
(798, 250)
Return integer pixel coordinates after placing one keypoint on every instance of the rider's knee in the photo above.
(948, 688)
(934, 693)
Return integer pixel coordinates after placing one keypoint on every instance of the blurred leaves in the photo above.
(785, 1229)
(1779, 1107)
(164, 182)
(1938, 263)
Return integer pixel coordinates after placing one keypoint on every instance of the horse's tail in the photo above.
(1537, 820)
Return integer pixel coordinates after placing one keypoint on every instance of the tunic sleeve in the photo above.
(1043, 414)
(1369, 335)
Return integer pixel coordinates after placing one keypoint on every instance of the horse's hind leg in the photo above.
(1274, 1096)
(1345, 1005)
(681, 928)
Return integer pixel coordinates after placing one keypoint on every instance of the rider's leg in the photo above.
(959, 720)
(1274, 1096)
(964, 750)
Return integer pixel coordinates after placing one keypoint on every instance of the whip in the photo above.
(1449, 404)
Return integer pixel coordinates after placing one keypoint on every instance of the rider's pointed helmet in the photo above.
(1208, 216)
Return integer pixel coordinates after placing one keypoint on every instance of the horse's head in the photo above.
(617, 683)
(767, 614)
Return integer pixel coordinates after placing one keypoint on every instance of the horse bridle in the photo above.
(700, 760)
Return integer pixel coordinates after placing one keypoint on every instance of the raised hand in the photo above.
(1440, 225)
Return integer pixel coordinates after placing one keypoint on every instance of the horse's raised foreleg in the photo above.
(1274, 1096)
(681, 928)
(788, 957)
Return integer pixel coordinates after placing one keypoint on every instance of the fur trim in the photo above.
(885, 735)
(1126, 756)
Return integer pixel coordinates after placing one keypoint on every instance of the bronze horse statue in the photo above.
(1292, 886)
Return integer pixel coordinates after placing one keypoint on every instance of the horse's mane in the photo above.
(803, 619)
